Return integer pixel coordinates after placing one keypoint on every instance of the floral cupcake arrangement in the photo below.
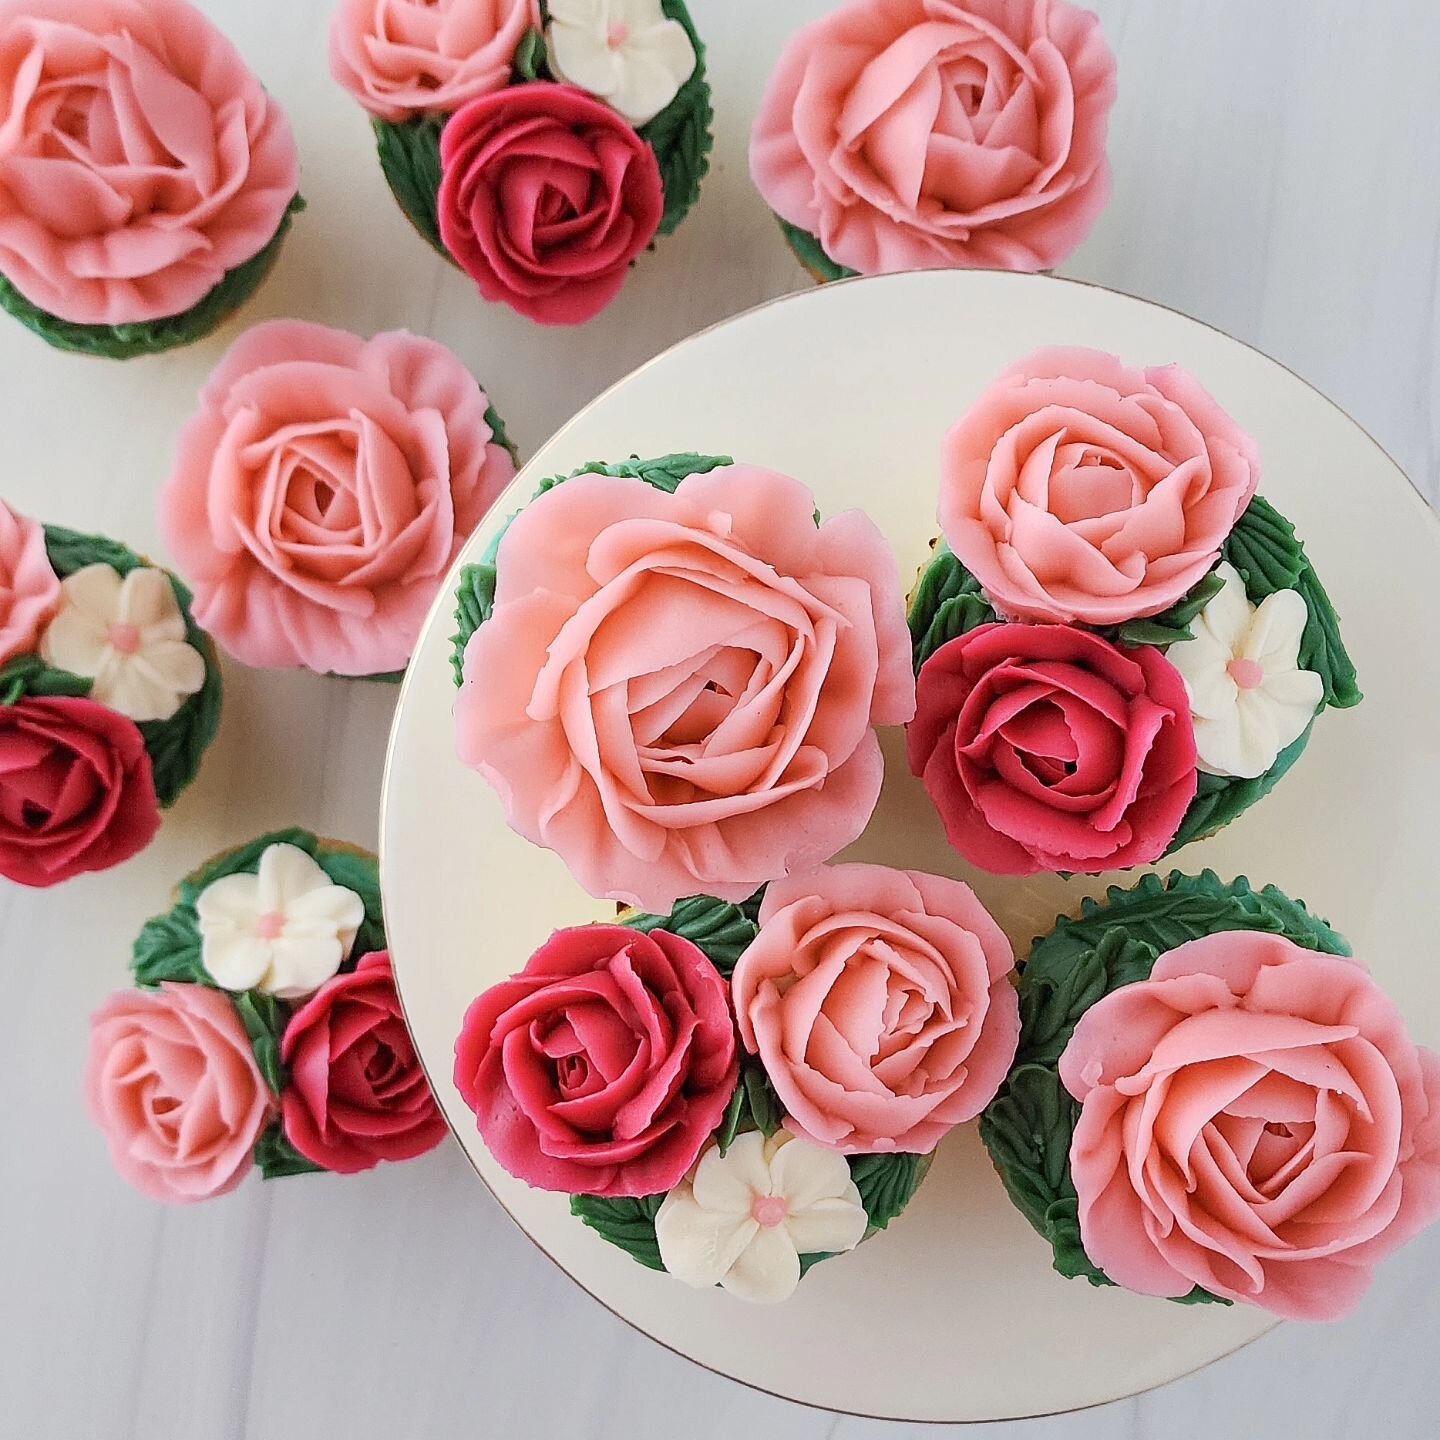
(541, 145)
(932, 134)
(109, 695)
(324, 488)
(146, 179)
(1120, 646)
(265, 1030)
(1212, 1101)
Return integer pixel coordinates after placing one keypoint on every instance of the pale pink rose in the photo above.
(323, 490)
(140, 160)
(402, 58)
(1076, 489)
(173, 1083)
(29, 588)
(926, 134)
(1254, 1120)
(677, 693)
(879, 1002)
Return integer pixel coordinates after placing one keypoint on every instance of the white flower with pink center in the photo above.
(128, 637)
(285, 930)
(743, 1219)
(1248, 696)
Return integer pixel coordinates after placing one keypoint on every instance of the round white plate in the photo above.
(955, 1313)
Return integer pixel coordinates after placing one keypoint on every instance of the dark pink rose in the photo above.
(604, 1065)
(547, 196)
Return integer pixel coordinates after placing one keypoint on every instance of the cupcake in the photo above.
(109, 696)
(1212, 1101)
(671, 673)
(875, 1011)
(937, 134)
(265, 1030)
(539, 148)
(1120, 646)
(322, 490)
(147, 180)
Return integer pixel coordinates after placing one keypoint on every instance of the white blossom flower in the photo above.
(624, 52)
(128, 636)
(285, 930)
(1248, 696)
(743, 1219)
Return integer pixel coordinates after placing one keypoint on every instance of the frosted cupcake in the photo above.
(539, 148)
(146, 179)
(109, 696)
(265, 1033)
(1212, 1101)
(874, 1010)
(1120, 646)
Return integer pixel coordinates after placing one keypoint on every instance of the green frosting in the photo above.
(409, 152)
(723, 931)
(809, 253)
(947, 602)
(1172, 624)
(1029, 1125)
(150, 337)
(168, 949)
(176, 745)
(680, 135)
(475, 598)
(628, 1223)
(277, 1157)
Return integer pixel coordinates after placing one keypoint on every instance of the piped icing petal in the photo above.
(29, 587)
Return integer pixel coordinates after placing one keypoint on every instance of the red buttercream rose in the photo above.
(547, 196)
(603, 1067)
(357, 1094)
(1048, 748)
(76, 790)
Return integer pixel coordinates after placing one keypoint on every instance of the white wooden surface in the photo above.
(1275, 175)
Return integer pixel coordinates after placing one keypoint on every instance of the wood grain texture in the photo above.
(1274, 175)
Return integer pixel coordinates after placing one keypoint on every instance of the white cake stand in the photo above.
(955, 1313)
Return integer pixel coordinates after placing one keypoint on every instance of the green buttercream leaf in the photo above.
(887, 1184)
(947, 602)
(150, 337)
(264, 1019)
(530, 60)
(664, 473)
(761, 1101)
(809, 253)
(30, 675)
(474, 600)
(681, 134)
(730, 1125)
(1171, 625)
(409, 152)
(176, 745)
(244, 859)
(278, 1158)
(1321, 648)
(168, 948)
(720, 929)
(628, 1223)
(498, 434)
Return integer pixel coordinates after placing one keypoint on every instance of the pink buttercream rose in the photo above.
(1254, 1120)
(926, 134)
(140, 160)
(403, 58)
(604, 1065)
(1048, 748)
(323, 490)
(174, 1085)
(546, 197)
(677, 693)
(1078, 489)
(879, 1002)
(29, 587)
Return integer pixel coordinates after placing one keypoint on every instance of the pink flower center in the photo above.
(270, 926)
(617, 34)
(1247, 674)
(124, 638)
(769, 1210)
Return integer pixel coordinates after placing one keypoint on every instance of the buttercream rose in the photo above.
(603, 1066)
(1253, 1120)
(546, 197)
(140, 160)
(76, 790)
(923, 134)
(1079, 489)
(323, 490)
(677, 692)
(402, 58)
(357, 1094)
(1048, 748)
(879, 1002)
(29, 586)
(172, 1082)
